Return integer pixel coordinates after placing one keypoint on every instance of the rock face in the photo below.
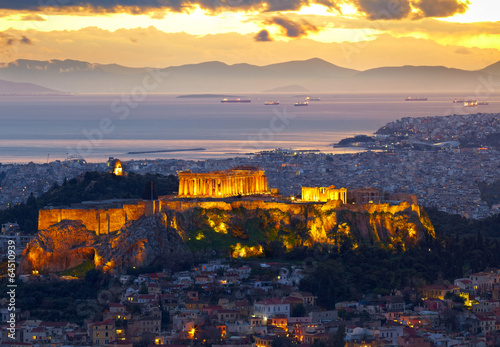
(142, 242)
(238, 228)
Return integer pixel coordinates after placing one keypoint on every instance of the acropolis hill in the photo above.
(247, 217)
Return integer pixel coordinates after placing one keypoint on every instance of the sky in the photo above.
(358, 34)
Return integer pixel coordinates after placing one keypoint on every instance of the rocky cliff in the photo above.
(238, 228)
(142, 242)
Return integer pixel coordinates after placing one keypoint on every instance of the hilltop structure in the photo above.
(324, 194)
(241, 180)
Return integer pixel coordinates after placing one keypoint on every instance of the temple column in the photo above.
(181, 186)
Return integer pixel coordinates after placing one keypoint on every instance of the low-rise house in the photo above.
(269, 307)
(103, 332)
(486, 323)
(307, 298)
(117, 311)
(141, 325)
(438, 291)
(227, 316)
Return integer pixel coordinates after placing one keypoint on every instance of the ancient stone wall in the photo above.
(101, 220)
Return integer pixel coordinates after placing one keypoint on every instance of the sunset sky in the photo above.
(358, 34)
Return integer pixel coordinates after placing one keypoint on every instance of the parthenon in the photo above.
(241, 180)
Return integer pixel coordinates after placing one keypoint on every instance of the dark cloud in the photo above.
(10, 40)
(263, 36)
(440, 8)
(374, 9)
(146, 6)
(400, 9)
(292, 28)
(384, 9)
(25, 40)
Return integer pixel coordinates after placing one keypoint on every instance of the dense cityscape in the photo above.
(250, 173)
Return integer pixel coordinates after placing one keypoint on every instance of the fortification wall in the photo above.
(102, 221)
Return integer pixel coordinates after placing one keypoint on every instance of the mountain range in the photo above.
(315, 75)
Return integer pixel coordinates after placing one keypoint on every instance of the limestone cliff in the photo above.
(238, 228)
(251, 223)
(141, 242)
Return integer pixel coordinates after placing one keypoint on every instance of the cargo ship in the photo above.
(272, 103)
(312, 99)
(413, 98)
(482, 103)
(470, 103)
(235, 100)
(301, 103)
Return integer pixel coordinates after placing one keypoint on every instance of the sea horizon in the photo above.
(42, 129)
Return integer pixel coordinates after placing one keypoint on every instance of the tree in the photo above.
(281, 342)
(149, 192)
(339, 337)
(298, 310)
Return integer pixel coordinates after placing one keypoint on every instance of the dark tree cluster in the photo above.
(92, 186)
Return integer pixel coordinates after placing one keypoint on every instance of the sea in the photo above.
(95, 127)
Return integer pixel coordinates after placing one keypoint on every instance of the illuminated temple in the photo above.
(241, 180)
(324, 194)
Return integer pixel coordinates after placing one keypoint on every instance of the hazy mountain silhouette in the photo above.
(17, 88)
(314, 75)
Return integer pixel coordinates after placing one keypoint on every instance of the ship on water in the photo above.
(301, 103)
(415, 98)
(271, 103)
(238, 100)
(470, 103)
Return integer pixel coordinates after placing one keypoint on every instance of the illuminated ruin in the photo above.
(241, 180)
(324, 194)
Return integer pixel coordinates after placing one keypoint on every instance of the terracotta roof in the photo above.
(272, 301)
(105, 322)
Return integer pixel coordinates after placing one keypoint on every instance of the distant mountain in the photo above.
(493, 69)
(16, 88)
(315, 75)
(422, 78)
